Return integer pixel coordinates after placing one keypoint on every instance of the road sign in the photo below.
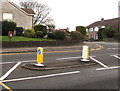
(39, 51)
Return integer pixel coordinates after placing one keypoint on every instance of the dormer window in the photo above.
(7, 16)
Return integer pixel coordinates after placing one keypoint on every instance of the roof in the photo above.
(28, 10)
(104, 22)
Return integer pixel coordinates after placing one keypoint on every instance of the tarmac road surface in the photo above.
(103, 75)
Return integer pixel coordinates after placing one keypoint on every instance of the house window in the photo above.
(91, 29)
(96, 29)
(87, 30)
(102, 26)
(7, 16)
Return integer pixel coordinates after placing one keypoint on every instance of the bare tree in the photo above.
(50, 24)
(42, 11)
(27, 3)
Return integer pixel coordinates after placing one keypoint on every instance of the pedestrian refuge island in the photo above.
(41, 66)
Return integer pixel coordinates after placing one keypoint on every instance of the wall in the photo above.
(38, 43)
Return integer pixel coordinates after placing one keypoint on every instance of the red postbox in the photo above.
(10, 34)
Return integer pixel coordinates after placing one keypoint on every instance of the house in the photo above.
(92, 29)
(10, 11)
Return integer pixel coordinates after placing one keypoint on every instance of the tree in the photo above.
(109, 32)
(41, 10)
(81, 29)
(76, 35)
(41, 28)
(100, 34)
(50, 24)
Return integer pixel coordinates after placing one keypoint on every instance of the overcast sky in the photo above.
(72, 13)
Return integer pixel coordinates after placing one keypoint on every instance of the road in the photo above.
(104, 75)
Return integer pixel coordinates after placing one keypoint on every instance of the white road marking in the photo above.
(68, 58)
(16, 62)
(99, 62)
(113, 48)
(116, 56)
(71, 58)
(45, 76)
(10, 71)
(115, 67)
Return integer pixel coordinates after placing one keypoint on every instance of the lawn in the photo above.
(20, 38)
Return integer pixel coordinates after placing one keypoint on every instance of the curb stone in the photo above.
(57, 66)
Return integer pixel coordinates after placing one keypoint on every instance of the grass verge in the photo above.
(20, 38)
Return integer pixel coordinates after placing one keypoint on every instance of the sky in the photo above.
(72, 13)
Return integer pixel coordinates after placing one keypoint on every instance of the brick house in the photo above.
(10, 11)
(93, 28)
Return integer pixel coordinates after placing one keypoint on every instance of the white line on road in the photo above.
(16, 62)
(115, 67)
(10, 71)
(116, 56)
(113, 48)
(70, 58)
(45, 76)
(99, 62)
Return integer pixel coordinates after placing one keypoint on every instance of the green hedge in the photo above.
(7, 26)
(39, 34)
(19, 31)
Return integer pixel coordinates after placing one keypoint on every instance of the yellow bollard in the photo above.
(40, 57)
(85, 53)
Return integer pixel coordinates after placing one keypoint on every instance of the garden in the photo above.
(36, 36)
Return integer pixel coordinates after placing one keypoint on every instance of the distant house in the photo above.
(92, 29)
(10, 11)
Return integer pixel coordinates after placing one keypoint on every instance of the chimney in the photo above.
(102, 20)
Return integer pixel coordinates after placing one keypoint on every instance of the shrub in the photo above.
(29, 32)
(75, 35)
(51, 35)
(19, 31)
(39, 34)
(59, 35)
(109, 32)
(81, 29)
(100, 34)
(40, 28)
(67, 38)
(7, 26)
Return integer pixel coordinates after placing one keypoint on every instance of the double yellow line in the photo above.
(5, 86)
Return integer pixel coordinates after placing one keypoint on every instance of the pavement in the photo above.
(46, 49)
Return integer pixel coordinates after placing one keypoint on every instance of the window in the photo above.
(96, 29)
(91, 29)
(7, 16)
